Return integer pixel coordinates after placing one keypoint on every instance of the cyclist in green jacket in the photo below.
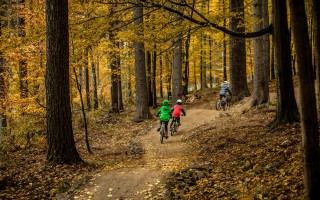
(165, 114)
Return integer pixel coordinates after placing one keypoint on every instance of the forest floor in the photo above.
(214, 155)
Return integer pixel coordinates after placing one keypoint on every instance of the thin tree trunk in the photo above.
(210, 61)
(86, 78)
(161, 77)
(23, 69)
(195, 75)
(153, 78)
(148, 61)
(225, 77)
(83, 113)
(3, 118)
(94, 83)
(119, 89)
(273, 74)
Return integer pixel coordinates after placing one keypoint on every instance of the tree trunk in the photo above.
(86, 78)
(195, 75)
(273, 73)
(3, 118)
(153, 78)
(119, 89)
(23, 69)
(287, 110)
(238, 76)
(142, 108)
(261, 76)
(94, 83)
(308, 108)
(210, 61)
(177, 67)
(149, 74)
(161, 76)
(225, 77)
(202, 67)
(61, 145)
(316, 35)
(187, 64)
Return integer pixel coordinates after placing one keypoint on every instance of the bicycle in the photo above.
(223, 103)
(162, 132)
(175, 126)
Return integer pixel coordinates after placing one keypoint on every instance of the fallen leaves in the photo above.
(243, 160)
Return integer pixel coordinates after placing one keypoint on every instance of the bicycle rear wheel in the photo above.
(173, 128)
(162, 133)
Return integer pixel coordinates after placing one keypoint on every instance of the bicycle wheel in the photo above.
(228, 106)
(218, 106)
(173, 128)
(162, 133)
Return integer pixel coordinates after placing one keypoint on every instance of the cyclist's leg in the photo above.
(178, 120)
(166, 126)
(158, 129)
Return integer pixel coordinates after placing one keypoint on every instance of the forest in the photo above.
(81, 82)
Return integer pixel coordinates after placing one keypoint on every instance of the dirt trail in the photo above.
(139, 181)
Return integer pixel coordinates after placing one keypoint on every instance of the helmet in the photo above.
(226, 82)
(165, 102)
(179, 101)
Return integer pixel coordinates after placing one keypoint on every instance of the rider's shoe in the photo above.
(158, 129)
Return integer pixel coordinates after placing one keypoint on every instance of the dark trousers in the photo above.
(175, 119)
(165, 125)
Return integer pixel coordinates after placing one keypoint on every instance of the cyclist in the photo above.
(165, 115)
(176, 112)
(224, 89)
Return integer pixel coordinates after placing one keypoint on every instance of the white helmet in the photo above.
(226, 82)
(179, 101)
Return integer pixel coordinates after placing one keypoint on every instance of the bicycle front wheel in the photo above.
(218, 106)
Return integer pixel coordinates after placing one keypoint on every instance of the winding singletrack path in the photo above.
(142, 180)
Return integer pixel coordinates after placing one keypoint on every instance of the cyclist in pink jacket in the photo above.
(176, 112)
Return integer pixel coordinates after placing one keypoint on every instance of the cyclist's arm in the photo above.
(183, 111)
(229, 91)
(158, 112)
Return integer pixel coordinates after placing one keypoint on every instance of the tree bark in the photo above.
(61, 145)
(225, 77)
(23, 67)
(287, 110)
(308, 108)
(238, 76)
(3, 118)
(94, 82)
(161, 76)
(177, 67)
(153, 78)
(261, 75)
(86, 78)
(149, 74)
(316, 34)
(142, 108)
(119, 89)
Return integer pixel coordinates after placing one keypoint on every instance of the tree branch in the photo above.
(207, 23)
